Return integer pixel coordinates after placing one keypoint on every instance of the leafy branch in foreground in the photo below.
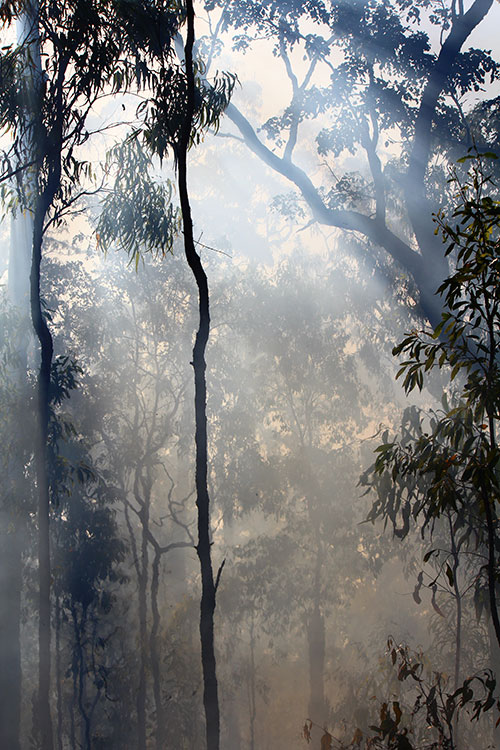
(427, 718)
(453, 464)
(137, 213)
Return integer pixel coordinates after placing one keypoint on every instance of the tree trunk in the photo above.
(209, 587)
(44, 336)
(11, 514)
(318, 706)
(80, 670)
(252, 695)
(10, 618)
(419, 210)
(59, 690)
(143, 634)
(32, 145)
(155, 653)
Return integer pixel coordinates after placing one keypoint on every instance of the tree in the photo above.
(46, 106)
(289, 400)
(179, 108)
(387, 85)
(87, 555)
(450, 466)
(15, 504)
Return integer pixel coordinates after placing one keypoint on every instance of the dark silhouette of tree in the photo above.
(203, 548)
(181, 106)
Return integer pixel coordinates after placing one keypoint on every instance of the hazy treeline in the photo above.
(355, 591)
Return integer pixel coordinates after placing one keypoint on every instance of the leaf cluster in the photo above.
(137, 214)
(165, 112)
(429, 719)
(456, 453)
(75, 53)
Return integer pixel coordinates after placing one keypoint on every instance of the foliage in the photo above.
(385, 83)
(426, 716)
(137, 215)
(431, 719)
(86, 49)
(449, 462)
(164, 113)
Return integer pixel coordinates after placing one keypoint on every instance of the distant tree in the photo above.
(133, 329)
(87, 555)
(388, 84)
(285, 454)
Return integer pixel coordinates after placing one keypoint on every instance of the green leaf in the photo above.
(449, 575)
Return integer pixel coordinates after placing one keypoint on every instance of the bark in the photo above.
(424, 272)
(491, 565)
(79, 666)
(59, 689)
(43, 718)
(418, 207)
(252, 694)
(457, 595)
(316, 643)
(489, 507)
(11, 514)
(203, 547)
(143, 582)
(45, 150)
(318, 707)
(71, 708)
(10, 642)
(155, 653)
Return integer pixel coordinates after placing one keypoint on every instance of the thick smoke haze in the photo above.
(353, 597)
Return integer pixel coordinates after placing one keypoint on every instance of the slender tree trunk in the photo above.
(209, 586)
(143, 634)
(155, 653)
(34, 139)
(251, 688)
(458, 603)
(72, 702)
(44, 336)
(419, 209)
(79, 625)
(10, 640)
(318, 708)
(59, 735)
(11, 512)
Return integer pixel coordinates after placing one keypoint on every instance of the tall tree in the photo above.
(203, 548)
(385, 79)
(83, 56)
(181, 106)
(447, 465)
